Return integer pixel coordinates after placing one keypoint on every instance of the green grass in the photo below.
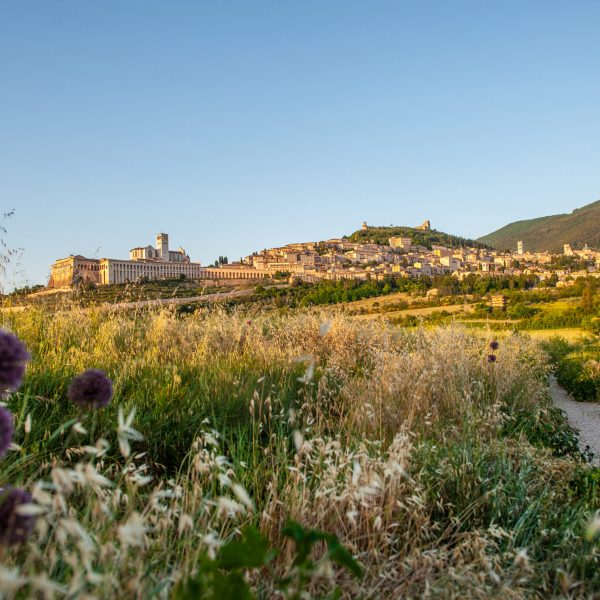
(577, 366)
(441, 473)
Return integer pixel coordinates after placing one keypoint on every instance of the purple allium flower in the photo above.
(91, 389)
(7, 429)
(14, 527)
(491, 358)
(13, 356)
(494, 345)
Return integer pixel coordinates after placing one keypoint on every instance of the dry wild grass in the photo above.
(439, 470)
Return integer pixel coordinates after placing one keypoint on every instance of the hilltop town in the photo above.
(335, 259)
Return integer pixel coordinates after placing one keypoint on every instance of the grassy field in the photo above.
(571, 334)
(440, 472)
(453, 309)
(380, 301)
(65, 299)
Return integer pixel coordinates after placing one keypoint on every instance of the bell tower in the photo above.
(162, 245)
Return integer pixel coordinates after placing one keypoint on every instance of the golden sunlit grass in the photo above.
(572, 334)
(443, 473)
(455, 309)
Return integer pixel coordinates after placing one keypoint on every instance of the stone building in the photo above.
(74, 270)
(400, 242)
(145, 262)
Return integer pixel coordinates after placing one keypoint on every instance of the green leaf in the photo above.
(190, 589)
(306, 539)
(231, 587)
(251, 551)
(339, 554)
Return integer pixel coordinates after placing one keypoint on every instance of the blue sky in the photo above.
(235, 126)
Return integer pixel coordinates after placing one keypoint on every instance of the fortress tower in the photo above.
(162, 245)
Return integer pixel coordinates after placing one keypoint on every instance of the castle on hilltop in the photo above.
(425, 226)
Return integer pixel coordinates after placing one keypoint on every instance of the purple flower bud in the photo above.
(491, 358)
(13, 356)
(7, 430)
(494, 345)
(14, 527)
(91, 389)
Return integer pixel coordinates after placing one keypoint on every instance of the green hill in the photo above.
(578, 228)
(381, 235)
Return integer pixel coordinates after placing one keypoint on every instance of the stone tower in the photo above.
(364, 226)
(162, 245)
(520, 247)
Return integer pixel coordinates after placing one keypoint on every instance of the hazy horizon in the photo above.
(242, 126)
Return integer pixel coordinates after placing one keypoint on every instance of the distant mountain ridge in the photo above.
(550, 233)
(420, 237)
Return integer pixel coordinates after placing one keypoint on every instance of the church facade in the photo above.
(145, 263)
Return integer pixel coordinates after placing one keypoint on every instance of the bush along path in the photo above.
(583, 416)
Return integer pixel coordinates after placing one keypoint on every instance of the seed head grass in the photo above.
(444, 475)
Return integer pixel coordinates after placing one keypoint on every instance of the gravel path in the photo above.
(583, 416)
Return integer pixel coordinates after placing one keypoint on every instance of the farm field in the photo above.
(571, 334)
(389, 299)
(420, 312)
(327, 454)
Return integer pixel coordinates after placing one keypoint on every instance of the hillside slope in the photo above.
(580, 227)
(381, 235)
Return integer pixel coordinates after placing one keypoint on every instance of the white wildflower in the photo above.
(73, 528)
(593, 527)
(229, 507)
(242, 495)
(10, 579)
(352, 514)
(48, 587)
(224, 480)
(213, 543)
(28, 423)
(308, 374)
(40, 495)
(185, 522)
(126, 433)
(88, 474)
(325, 328)
(210, 439)
(221, 461)
(298, 439)
(63, 479)
(132, 533)
(140, 480)
(30, 510)
(356, 471)
(521, 558)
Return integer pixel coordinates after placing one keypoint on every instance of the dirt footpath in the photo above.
(583, 416)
